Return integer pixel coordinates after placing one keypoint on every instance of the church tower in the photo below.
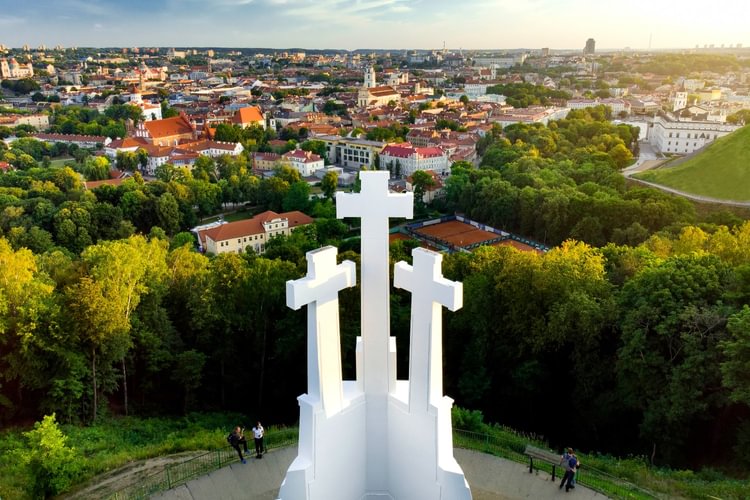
(369, 78)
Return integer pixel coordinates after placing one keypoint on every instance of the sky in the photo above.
(369, 24)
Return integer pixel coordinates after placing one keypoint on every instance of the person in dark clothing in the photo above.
(570, 463)
(237, 438)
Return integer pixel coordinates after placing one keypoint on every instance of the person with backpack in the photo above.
(237, 438)
(569, 463)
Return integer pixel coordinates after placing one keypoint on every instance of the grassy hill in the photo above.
(721, 171)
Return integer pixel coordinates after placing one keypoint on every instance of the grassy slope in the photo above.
(721, 171)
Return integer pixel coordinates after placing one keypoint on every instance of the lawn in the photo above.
(721, 171)
(60, 162)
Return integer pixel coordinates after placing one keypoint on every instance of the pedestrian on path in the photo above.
(258, 433)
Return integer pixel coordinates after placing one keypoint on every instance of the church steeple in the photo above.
(369, 78)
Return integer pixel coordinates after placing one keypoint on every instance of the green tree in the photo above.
(168, 212)
(421, 182)
(96, 168)
(187, 373)
(736, 368)
(668, 363)
(329, 183)
(297, 197)
(53, 465)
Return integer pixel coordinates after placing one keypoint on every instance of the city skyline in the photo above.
(374, 24)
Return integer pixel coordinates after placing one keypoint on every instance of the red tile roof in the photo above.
(303, 156)
(128, 142)
(167, 127)
(405, 150)
(247, 115)
(255, 225)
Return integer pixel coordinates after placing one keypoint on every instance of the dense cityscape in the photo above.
(154, 201)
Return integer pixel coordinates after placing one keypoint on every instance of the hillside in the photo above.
(721, 171)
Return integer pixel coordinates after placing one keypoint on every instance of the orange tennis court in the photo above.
(456, 233)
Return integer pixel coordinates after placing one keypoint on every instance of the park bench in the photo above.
(546, 456)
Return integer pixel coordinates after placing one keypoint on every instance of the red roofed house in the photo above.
(236, 237)
(128, 144)
(166, 132)
(305, 162)
(410, 159)
(249, 116)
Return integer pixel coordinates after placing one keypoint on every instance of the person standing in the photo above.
(258, 433)
(569, 462)
(237, 438)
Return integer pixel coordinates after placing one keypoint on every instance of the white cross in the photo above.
(321, 286)
(429, 290)
(374, 204)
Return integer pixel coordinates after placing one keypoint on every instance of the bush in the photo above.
(53, 465)
(468, 420)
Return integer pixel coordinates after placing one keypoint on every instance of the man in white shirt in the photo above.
(258, 433)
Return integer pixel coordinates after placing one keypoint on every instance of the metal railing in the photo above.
(176, 474)
(513, 449)
(179, 473)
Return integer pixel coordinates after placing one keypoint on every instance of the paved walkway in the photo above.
(490, 478)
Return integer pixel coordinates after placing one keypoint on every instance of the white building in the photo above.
(615, 104)
(305, 162)
(406, 159)
(536, 114)
(671, 135)
(680, 101)
(13, 69)
(351, 152)
(500, 61)
(475, 89)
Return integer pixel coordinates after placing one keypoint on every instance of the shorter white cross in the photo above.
(429, 290)
(319, 291)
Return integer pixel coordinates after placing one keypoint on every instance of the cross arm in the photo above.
(323, 281)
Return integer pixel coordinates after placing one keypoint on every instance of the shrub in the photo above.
(53, 465)
(468, 420)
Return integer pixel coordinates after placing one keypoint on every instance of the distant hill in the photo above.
(722, 170)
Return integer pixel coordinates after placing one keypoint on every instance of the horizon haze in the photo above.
(375, 24)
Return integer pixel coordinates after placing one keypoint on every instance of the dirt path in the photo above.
(104, 485)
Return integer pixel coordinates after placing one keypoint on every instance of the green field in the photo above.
(721, 171)
(60, 162)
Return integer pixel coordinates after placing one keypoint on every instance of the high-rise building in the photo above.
(590, 47)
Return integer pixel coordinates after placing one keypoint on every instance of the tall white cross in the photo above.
(375, 205)
(321, 286)
(429, 291)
